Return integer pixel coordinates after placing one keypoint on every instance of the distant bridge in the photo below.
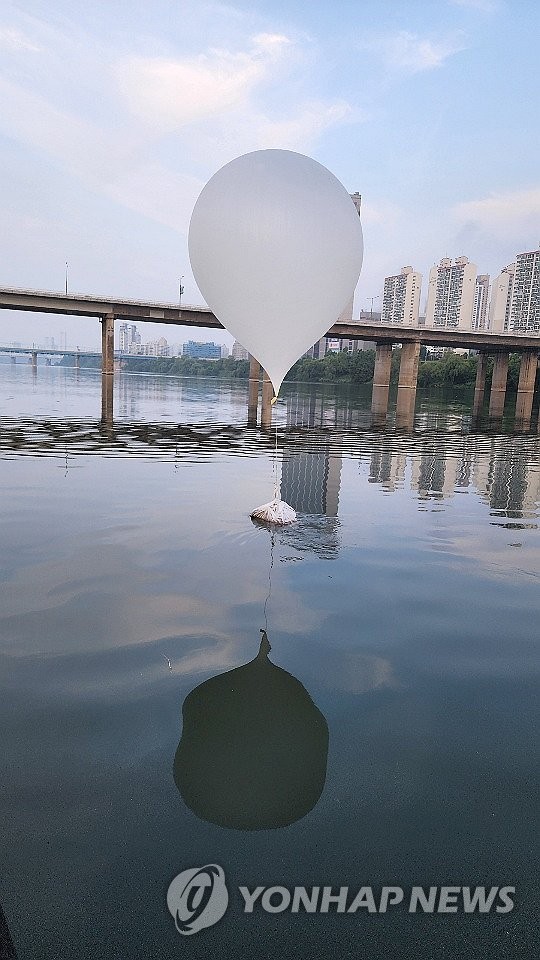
(58, 352)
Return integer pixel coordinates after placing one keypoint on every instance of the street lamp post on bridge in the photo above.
(372, 300)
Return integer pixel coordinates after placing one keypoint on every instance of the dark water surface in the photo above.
(404, 607)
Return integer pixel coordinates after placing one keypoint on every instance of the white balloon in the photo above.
(275, 245)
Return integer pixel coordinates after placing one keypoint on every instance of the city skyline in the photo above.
(458, 296)
(109, 133)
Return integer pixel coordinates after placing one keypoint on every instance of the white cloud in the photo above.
(143, 133)
(408, 52)
(162, 195)
(227, 103)
(221, 139)
(382, 212)
(118, 167)
(514, 211)
(272, 43)
(169, 94)
(12, 39)
(303, 128)
(223, 123)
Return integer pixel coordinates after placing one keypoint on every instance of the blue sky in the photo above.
(113, 115)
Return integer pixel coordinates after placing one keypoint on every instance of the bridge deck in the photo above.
(39, 301)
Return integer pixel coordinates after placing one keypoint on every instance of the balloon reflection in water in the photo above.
(254, 748)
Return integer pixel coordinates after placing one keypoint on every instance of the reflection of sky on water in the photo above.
(401, 601)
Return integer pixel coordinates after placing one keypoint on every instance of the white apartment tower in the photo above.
(128, 336)
(480, 305)
(401, 298)
(501, 299)
(525, 307)
(451, 292)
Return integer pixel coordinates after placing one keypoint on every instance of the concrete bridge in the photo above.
(498, 345)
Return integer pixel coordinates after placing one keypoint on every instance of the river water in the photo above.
(396, 746)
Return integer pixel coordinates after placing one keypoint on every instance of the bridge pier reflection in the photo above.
(266, 401)
(498, 385)
(526, 384)
(107, 394)
(381, 381)
(253, 389)
(107, 367)
(408, 378)
(480, 385)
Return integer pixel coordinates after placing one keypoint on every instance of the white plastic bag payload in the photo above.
(277, 511)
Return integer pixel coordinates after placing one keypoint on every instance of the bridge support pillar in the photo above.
(107, 344)
(266, 404)
(107, 387)
(77, 361)
(13, 358)
(498, 385)
(480, 384)
(408, 376)
(525, 394)
(34, 361)
(381, 380)
(253, 394)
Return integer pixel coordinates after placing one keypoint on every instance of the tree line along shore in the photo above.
(452, 368)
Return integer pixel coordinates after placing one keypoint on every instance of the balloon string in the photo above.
(276, 482)
(272, 541)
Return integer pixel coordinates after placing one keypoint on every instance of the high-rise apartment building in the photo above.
(525, 306)
(401, 298)
(480, 305)
(451, 292)
(357, 200)
(501, 299)
(128, 337)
